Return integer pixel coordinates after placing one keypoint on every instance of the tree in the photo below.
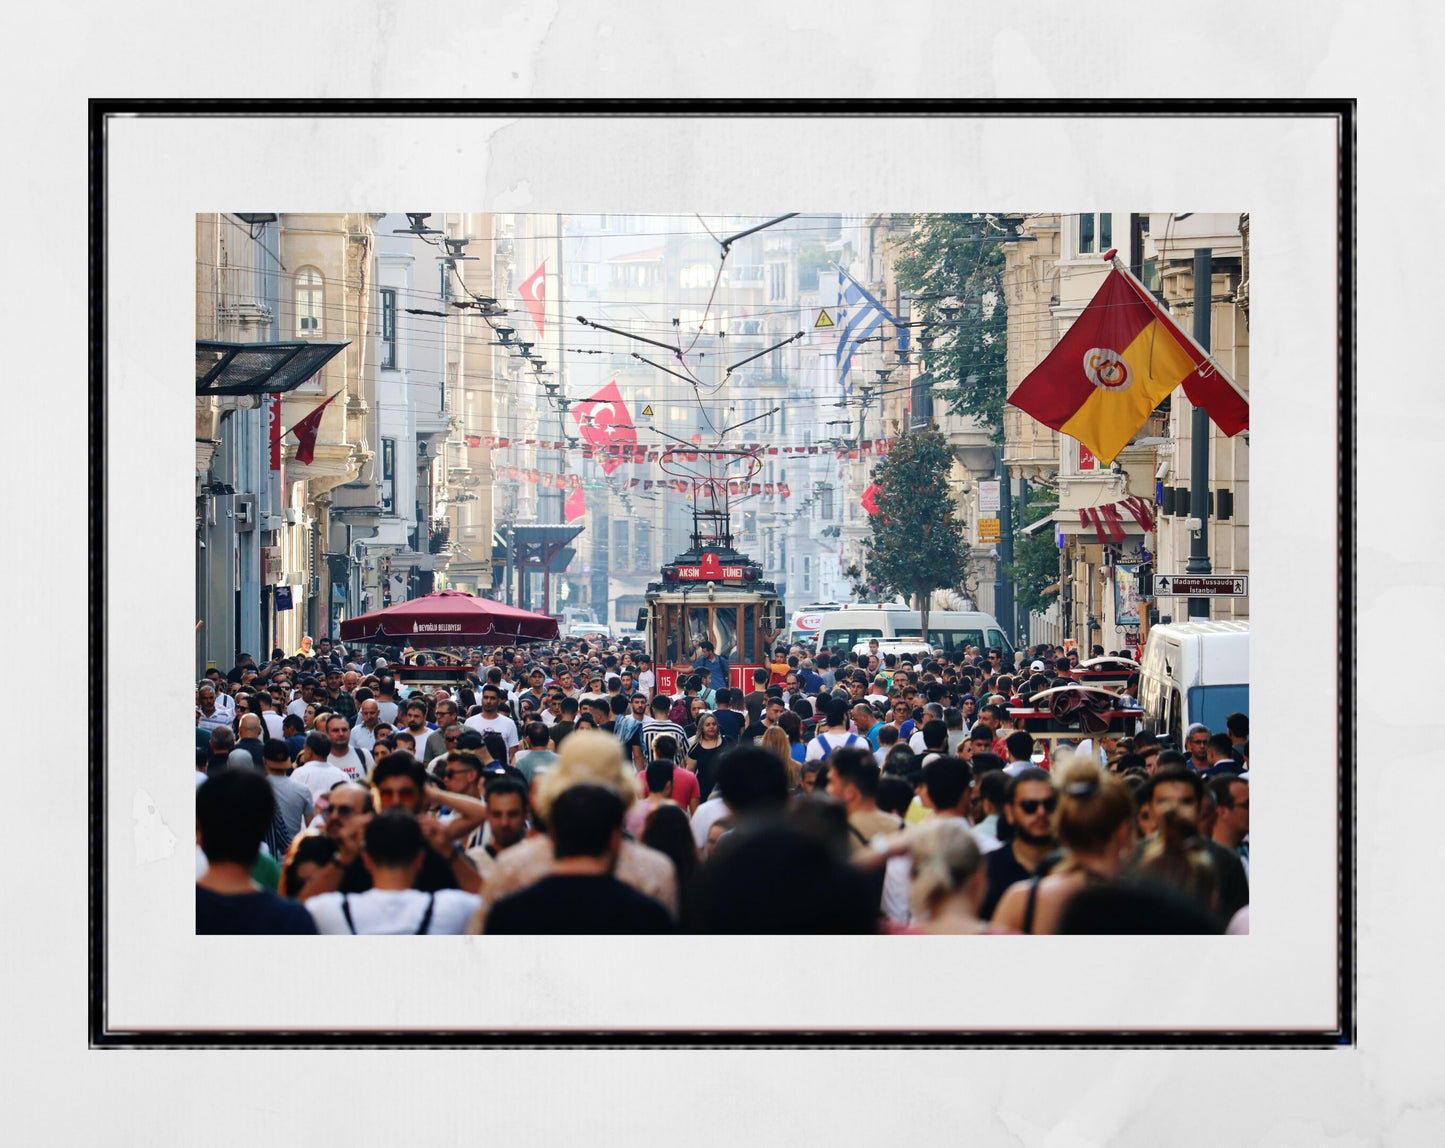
(1036, 556)
(916, 543)
(960, 304)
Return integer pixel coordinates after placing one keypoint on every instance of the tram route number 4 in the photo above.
(1202, 585)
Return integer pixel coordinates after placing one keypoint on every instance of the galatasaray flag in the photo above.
(1122, 357)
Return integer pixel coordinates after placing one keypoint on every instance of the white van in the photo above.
(1194, 672)
(803, 627)
(948, 630)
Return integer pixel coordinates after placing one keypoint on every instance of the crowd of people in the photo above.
(556, 789)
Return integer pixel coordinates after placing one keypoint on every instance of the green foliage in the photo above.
(916, 544)
(964, 311)
(811, 260)
(1036, 557)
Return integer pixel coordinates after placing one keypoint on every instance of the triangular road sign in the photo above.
(824, 319)
(647, 411)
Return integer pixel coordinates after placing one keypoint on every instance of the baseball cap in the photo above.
(1037, 667)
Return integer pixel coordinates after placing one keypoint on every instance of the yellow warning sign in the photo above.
(824, 319)
(647, 411)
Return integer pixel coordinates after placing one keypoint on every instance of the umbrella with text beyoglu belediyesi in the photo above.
(449, 618)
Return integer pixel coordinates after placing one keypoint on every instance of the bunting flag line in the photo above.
(1121, 358)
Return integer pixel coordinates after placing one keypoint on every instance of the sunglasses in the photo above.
(1030, 806)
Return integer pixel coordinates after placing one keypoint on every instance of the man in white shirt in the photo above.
(364, 735)
(1020, 746)
(305, 695)
(491, 720)
(393, 855)
(834, 735)
(350, 759)
(315, 772)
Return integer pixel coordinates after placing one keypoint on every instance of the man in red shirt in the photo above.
(685, 789)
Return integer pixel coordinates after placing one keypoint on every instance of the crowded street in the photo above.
(701, 574)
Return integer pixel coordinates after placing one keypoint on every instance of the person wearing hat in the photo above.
(587, 758)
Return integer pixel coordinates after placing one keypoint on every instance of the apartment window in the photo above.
(619, 543)
(777, 281)
(388, 474)
(825, 502)
(695, 275)
(1090, 225)
(582, 274)
(807, 574)
(643, 547)
(636, 275)
(310, 290)
(444, 290)
(388, 328)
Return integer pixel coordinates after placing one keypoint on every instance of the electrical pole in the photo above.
(1199, 437)
(1003, 587)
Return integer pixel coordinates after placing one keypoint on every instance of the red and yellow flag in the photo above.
(1121, 359)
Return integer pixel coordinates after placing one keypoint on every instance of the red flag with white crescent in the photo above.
(534, 294)
(306, 431)
(604, 421)
(575, 507)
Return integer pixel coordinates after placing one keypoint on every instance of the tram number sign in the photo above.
(1202, 585)
(710, 568)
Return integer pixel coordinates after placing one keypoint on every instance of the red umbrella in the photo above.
(449, 618)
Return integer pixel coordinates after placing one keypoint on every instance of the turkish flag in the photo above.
(534, 294)
(575, 506)
(870, 499)
(306, 431)
(604, 421)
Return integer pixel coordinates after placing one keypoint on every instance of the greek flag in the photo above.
(859, 325)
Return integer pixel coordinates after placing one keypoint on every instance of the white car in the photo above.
(588, 630)
(898, 649)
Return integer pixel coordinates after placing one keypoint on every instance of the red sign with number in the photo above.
(666, 680)
(710, 570)
(741, 677)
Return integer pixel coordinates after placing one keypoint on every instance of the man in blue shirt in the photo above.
(708, 662)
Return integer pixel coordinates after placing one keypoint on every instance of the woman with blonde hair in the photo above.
(776, 740)
(948, 879)
(1095, 824)
(590, 757)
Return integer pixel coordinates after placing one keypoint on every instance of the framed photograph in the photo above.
(379, 306)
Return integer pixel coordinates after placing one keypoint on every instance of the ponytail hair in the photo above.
(945, 856)
(1178, 857)
(1092, 806)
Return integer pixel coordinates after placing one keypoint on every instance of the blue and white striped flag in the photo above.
(860, 323)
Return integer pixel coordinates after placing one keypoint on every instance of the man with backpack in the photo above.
(834, 734)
